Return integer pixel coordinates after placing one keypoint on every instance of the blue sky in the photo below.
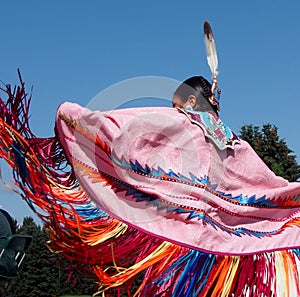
(72, 50)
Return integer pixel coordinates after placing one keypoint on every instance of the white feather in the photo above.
(211, 50)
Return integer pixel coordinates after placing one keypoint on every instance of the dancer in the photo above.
(169, 193)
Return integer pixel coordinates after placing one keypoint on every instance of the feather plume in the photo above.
(211, 51)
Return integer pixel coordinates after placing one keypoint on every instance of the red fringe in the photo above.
(114, 252)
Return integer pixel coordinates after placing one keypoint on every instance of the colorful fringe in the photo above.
(115, 252)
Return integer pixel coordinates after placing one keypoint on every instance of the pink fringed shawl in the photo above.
(155, 170)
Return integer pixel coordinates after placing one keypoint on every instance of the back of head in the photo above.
(201, 89)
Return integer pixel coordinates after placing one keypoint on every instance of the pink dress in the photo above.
(171, 196)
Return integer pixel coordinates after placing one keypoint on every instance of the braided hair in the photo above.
(201, 89)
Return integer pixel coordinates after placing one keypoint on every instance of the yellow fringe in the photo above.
(230, 276)
(165, 250)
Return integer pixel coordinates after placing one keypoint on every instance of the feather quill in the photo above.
(211, 50)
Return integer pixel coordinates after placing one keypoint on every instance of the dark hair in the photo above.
(200, 88)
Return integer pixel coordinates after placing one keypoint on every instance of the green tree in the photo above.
(36, 276)
(74, 278)
(272, 150)
(46, 274)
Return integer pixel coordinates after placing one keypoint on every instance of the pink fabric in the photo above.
(179, 207)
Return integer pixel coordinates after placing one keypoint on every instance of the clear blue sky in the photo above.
(72, 50)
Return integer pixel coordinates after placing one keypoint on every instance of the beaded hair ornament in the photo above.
(212, 60)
